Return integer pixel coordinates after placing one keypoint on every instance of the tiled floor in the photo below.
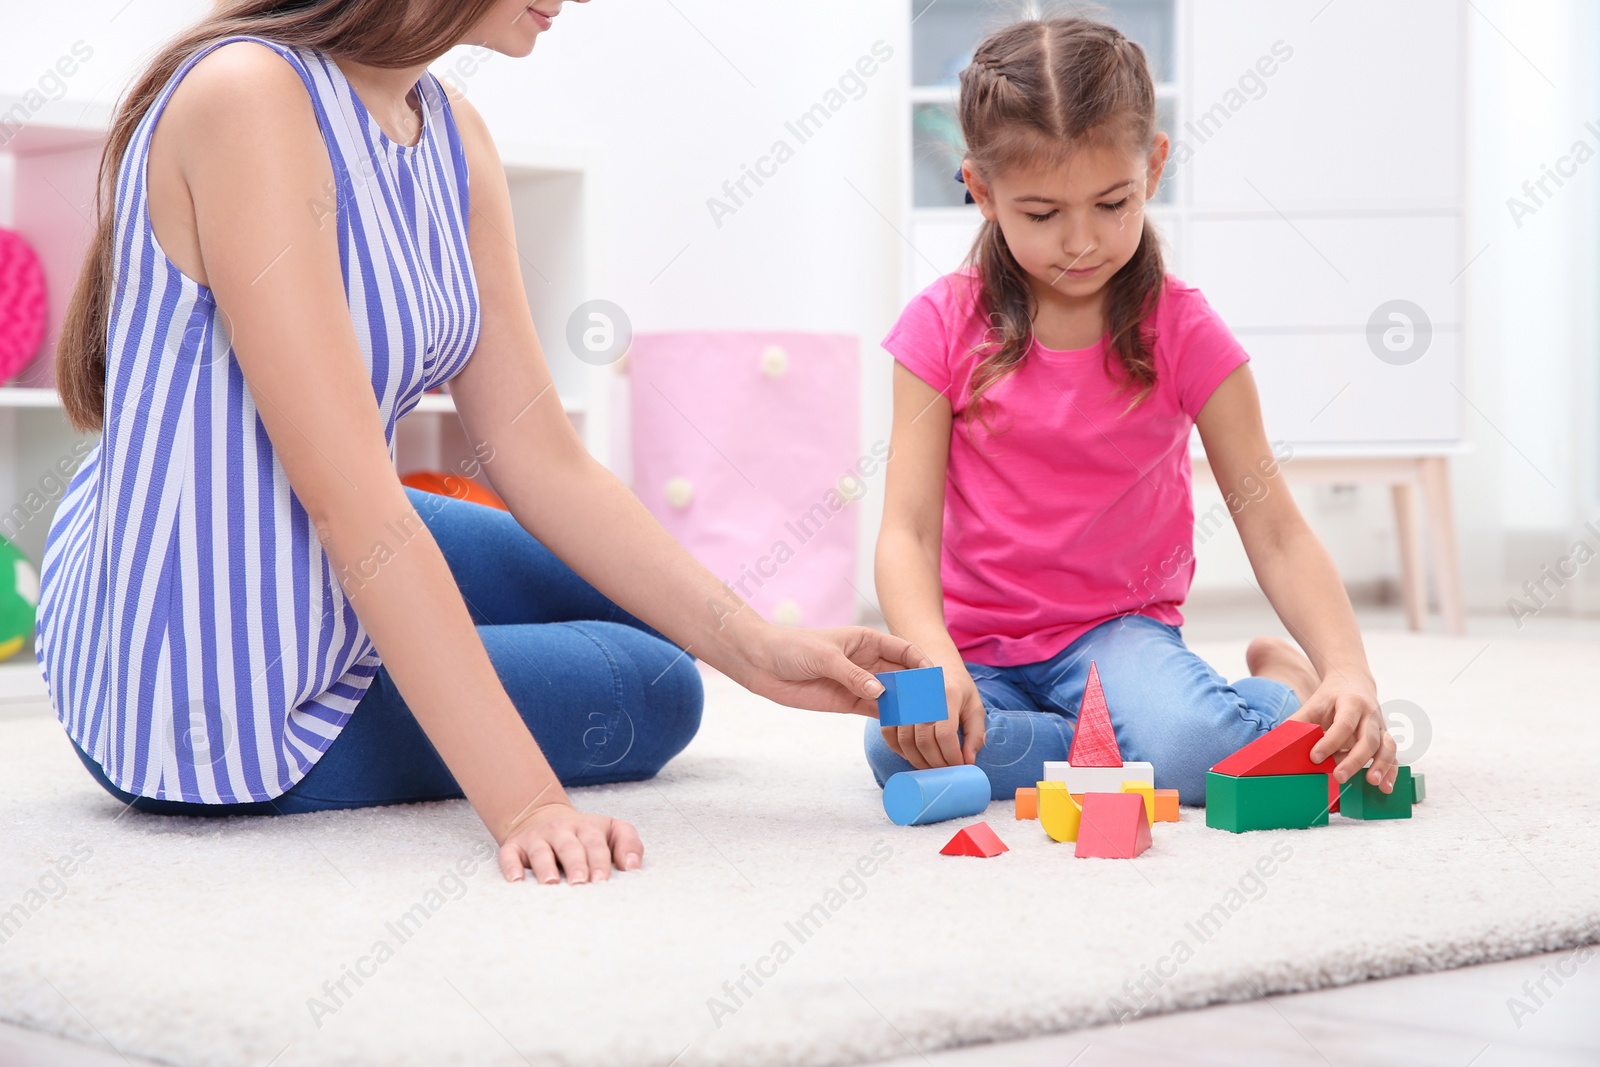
(1495, 1015)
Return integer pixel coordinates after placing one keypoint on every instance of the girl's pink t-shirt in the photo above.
(1069, 510)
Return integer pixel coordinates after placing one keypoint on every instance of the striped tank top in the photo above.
(191, 630)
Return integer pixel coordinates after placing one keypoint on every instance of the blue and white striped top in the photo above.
(191, 630)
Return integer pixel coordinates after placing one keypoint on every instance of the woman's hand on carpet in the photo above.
(828, 670)
(557, 838)
(939, 744)
(1347, 709)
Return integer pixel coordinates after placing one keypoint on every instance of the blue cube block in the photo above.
(913, 696)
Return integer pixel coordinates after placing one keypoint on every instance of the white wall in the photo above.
(1532, 479)
(1524, 495)
(672, 99)
(666, 102)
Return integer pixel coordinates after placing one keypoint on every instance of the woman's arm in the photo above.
(907, 569)
(594, 523)
(248, 149)
(1299, 579)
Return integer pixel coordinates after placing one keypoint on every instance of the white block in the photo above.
(1097, 779)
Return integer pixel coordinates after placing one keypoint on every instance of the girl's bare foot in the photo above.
(1275, 658)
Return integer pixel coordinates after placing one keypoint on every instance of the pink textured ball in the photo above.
(22, 303)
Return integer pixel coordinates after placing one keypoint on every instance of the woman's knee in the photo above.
(658, 703)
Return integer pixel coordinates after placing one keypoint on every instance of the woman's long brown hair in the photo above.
(379, 33)
(1057, 85)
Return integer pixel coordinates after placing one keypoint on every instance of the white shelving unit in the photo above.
(48, 163)
(48, 158)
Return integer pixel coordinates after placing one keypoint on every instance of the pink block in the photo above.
(746, 447)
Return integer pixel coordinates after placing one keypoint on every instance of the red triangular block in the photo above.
(1285, 750)
(975, 840)
(1094, 742)
(1113, 826)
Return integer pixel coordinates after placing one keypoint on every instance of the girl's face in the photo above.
(511, 26)
(1072, 226)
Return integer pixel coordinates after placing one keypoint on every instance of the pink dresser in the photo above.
(746, 446)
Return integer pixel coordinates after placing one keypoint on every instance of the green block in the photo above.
(1360, 799)
(1418, 793)
(1266, 802)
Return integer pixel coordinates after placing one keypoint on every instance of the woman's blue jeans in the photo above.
(607, 698)
(1168, 707)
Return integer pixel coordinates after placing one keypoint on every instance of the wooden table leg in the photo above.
(1442, 535)
(1408, 530)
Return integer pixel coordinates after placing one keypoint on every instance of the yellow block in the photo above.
(1058, 812)
(1148, 791)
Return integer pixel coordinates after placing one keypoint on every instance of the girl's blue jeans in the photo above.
(607, 698)
(1168, 707)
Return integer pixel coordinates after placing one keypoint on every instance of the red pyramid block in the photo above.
(1094, 742)
(1285, 750)
(1113, 826)
(975, 840)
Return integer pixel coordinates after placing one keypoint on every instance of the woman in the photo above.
(241, 609)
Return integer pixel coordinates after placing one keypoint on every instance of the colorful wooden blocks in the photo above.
(1113, 826)
(1094, 794)
(1160, 805)
(1027, 802)
(1166, 805)
(913, 798)
(1266, 802)
(912, 697)
(1098, 779)
(1360, 799)
(1148, 792)
(1272, 783)
(975, 840)
(1059, 814)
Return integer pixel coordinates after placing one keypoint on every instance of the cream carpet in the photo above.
(780, 918)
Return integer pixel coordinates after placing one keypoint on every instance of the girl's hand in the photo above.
(935, 744)
(557, 837)
(828, 670)
(1347, 710)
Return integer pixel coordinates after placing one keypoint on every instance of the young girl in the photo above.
(241, 609)
(1038, 515)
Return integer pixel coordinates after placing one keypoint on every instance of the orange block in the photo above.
(1027, 802)
(1166, 805)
